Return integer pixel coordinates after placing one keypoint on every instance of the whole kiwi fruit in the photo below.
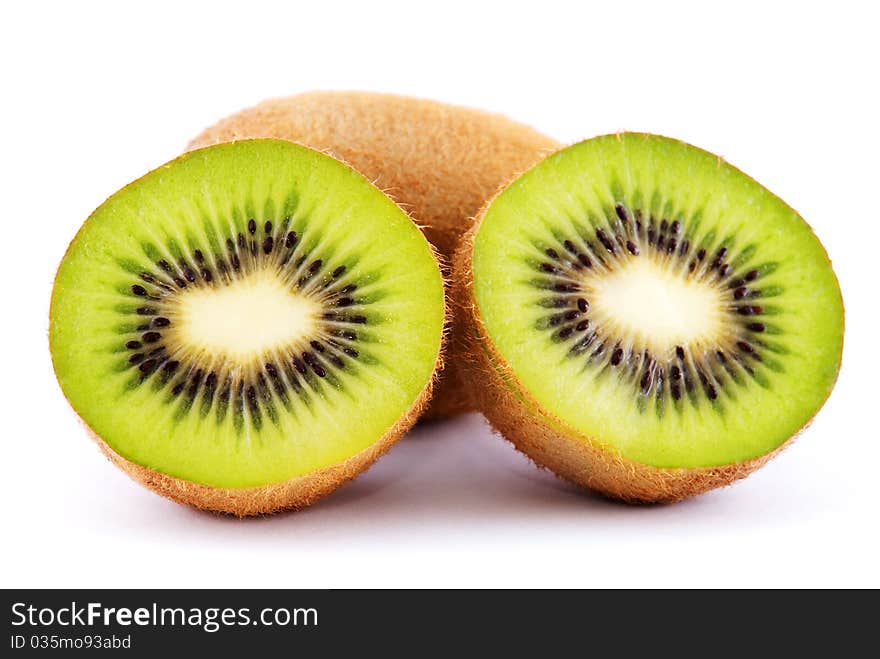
(439, 162)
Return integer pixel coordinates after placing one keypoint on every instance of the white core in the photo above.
(245, 318)
(658, 306)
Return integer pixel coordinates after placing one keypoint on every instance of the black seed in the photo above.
(211, 380)
(361, 320)
(548, 267)
(565, 288)
(338, 272)
(632, 247)
(151, 337)
(679, 352)
(585, 260)
(236, 263)
(164, 265)
(347, 334)
(317, 345)
(651, 235)
(675, 372)
(136, 358)
(252, 394)
(552, 253)
(344, 302)
(692, 266)
(133, 345)
(147, 277)
(583, 305)
(675, 227)
(616, 356)
(736, 283)
(179, 281)
(660, 242)
(711, 392)
(622, 213)
(315, 266)
(571, 315)
(582, 326)
(565, 332)
(752, 275)
(670, 246)
(570, 246)
(290, 240)
(315, 364)
(676, 391)
(271, 370)
(607, 243)
(206, 274)
(198, 256)
(268, 244)
(148, 366)
(701, 254)
(177, 388)
(740, 293)
(745, 347)
(137, 289)
(146, 311)
(252, 226)
(749, 310)
(336, 361)
(189, 274)
(598, 351)
(756, 327)
(299, 366)
(267, 227)
(720, 356)
(156, 351)
(160, 322)
(242, 243)
(685, 246)
(646, 381)
(230, 245)
(170, 367)
(345, 290)
(724, 270)
(664, 224)
(351, 352)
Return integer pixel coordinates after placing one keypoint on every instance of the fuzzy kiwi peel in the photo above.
(567, 378)
(247, 327)
(439, 162)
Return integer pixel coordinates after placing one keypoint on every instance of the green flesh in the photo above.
(796, 315)
(387, 314)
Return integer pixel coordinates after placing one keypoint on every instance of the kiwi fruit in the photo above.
(646, 320)
(439, 162)
(248, 326)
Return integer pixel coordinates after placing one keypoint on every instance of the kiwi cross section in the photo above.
(574, 268)
(249, 386)
(647, 297)
(244, 316)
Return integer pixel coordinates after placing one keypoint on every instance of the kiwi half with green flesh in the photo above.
(440, 162)
(649, 321)
(248, 326)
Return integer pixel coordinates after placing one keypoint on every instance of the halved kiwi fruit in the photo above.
(248, 326)
(650, 322)
(440, 162)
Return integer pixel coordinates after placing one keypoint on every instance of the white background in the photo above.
(95, 95)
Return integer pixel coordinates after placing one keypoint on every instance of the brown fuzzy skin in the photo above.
(439, 162)
(548, 440)
(292, 494)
